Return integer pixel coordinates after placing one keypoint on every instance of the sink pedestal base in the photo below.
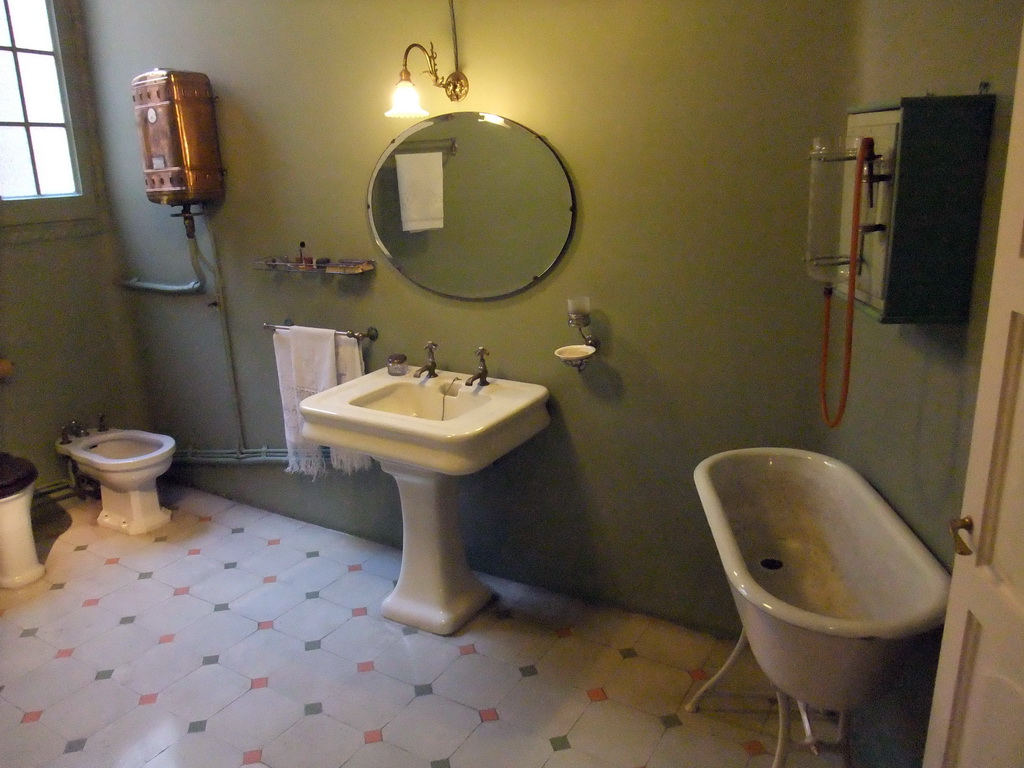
(436, 590)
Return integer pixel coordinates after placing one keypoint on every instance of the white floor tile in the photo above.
(233, 547)
(383, 755)
(312, 677)
(580, 663)
(312, 619)
(611, 626)
(432, 727)
(31, 746)
(618, 733)
(310, 573)
(46, 685)
(158, 668)
(136, 596)
(136, 738)
(267, 601)
(501, 745)
(368, 700)
(543, 706)
(515, 641)
(188, 571)
(154, 557)
(416, 659)
(648, 685)
(89, 709)
(477, 681)
(314, 741)
(204, 692)
(357, 589)
(20, 655)
(674, 645)
(310, 538)
(216, 632)
(275, 560)
(687, 747)
(255, 719)
(225, 585)
(174, 615)
(362, 638)
(198, 749)
(116, 647)
(262, 653)
(239, 516)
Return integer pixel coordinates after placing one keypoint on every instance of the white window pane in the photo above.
(16, 178)
(5, 33)
(53, 161)
(31, 22)
(42, 88)
(10, 98)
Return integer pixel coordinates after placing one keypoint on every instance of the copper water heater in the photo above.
(176, 122)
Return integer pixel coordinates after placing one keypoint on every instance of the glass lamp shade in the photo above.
(406, 101)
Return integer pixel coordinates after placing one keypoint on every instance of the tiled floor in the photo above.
(233, 636)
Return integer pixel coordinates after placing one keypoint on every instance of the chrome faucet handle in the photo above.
(65, 436)
(102, 425)
(431, 367)
(480, 377)
(77, 430)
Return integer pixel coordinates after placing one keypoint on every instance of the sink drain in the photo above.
(771, 563)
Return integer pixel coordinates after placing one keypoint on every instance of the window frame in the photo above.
(72, 65)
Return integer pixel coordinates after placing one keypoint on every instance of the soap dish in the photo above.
(576, 355)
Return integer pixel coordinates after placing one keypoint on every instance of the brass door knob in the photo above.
(961, 524)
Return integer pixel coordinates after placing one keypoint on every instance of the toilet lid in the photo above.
(15, 474)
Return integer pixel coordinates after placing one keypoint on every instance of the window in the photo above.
(40, 178)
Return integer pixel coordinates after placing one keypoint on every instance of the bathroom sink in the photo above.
(425, 432)
(437, 424)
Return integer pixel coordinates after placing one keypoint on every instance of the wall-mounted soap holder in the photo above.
(577, 355)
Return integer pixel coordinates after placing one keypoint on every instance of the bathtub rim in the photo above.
(929, 615)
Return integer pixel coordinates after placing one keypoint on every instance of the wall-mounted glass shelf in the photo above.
(323, 266)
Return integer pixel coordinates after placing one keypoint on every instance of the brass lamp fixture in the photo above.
(406, 101)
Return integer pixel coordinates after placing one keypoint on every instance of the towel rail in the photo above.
(371, 332)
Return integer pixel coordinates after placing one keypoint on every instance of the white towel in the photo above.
(310, 360)
(420, 190)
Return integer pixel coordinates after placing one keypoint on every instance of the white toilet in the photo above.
(19, 564)
(126, 463)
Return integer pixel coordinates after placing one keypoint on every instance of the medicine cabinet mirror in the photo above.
(508, 205)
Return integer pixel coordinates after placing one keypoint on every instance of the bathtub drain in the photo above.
(771, 563)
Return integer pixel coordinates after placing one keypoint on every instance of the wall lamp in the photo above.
(406, 101)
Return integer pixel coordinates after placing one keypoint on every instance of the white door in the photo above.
(977, 718)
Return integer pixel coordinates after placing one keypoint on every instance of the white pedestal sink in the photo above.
(425, 432)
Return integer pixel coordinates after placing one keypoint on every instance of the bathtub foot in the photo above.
(694, 704)
(811, 743)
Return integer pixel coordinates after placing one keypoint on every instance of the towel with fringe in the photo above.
(310, 360)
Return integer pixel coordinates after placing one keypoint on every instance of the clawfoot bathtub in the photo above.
(830, 584)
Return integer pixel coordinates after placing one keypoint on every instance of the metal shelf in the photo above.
(321, 266)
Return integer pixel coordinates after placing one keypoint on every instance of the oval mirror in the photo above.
(471, 205)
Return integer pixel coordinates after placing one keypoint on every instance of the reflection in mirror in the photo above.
(471, 205)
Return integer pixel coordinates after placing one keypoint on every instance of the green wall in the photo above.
(684, 126)
(908, 429)
(64, 324)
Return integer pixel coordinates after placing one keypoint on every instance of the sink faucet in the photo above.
(72, 429)
(431, 367)
(480, 377)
